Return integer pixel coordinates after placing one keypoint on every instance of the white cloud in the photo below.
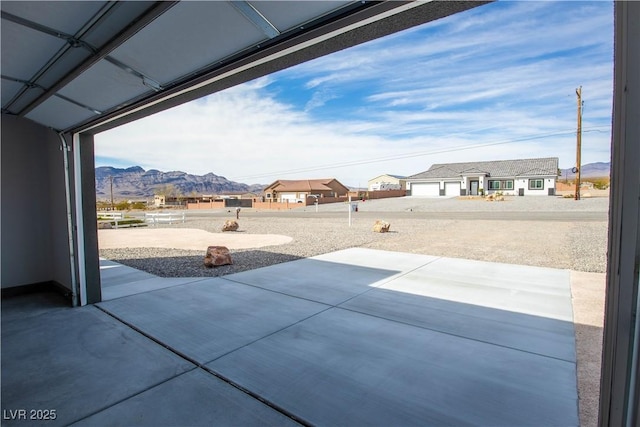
(239, 133)
(498, 73)
(320, 98)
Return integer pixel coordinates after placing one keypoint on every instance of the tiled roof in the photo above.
(303, 185)
(496, 169)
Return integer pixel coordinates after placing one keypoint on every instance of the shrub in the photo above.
(122, 206)
(600, 183)
(139, 205)
(129, 222)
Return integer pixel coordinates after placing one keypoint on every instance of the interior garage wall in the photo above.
(34, 239)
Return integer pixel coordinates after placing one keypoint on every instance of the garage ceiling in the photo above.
(92, 65)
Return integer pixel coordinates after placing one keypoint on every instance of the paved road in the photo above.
(514, 209)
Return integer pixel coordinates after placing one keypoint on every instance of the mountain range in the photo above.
(590, 170)
(135, 182)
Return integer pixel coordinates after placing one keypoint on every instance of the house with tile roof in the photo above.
(297, 191)
(511, 177)
(387, 182)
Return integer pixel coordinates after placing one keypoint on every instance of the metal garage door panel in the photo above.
(104, 86)
(25, 51)
(58, 113)
(425, 189)
(285, 15)
(66, 16)
(189, 36)
(452, 188)
(9, 90)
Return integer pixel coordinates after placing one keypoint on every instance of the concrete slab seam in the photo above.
(152, 338)
(455, 335)
(135, 394)
(212, 372)
(329, 307)
(270, 290)
(259, 398)
(378, 285)
(196, 280)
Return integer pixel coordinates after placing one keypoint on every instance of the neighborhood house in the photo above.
(387, 182)
(511, 177)
(297, 191)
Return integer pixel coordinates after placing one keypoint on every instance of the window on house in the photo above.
(536, 184)
(500, 185)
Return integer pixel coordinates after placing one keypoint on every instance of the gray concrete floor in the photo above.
(120, 281)
(355, 337)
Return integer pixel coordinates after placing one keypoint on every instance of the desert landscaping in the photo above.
(541, 231)
(550, 232)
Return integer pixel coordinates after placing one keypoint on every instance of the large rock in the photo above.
(381, 226)
(217, 256)
(230, 225)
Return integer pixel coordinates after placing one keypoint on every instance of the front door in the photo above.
(474, 187)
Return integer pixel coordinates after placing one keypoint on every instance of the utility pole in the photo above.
(579, 143)
(111, 180)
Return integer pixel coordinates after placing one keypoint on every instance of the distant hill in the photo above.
(135, 182)
(590, 170)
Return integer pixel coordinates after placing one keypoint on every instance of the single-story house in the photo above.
(160, 200)
(387, 182)
(512, 177)
(298, 190)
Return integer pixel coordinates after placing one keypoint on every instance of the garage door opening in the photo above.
(293, 114)
(259, 97)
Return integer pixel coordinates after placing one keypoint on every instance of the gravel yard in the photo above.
(579, 246)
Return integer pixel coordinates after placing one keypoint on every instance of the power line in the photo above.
(411, 155)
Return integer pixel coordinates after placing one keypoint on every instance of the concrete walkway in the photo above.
(355, 337)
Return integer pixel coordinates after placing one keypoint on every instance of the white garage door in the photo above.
(425, 189)
(452, 188)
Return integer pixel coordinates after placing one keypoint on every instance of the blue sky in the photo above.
(493, 83)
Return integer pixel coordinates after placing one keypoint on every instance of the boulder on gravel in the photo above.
(381, 226)
(217, 256)
(230, 225)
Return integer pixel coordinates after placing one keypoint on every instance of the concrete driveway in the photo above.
(355, 337)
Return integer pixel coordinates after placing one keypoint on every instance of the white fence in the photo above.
(118, 220)
(110, 215)
(165, 218)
